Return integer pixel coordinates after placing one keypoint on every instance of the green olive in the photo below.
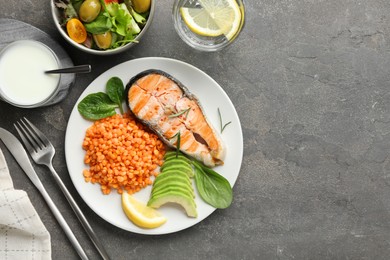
(89, 10)
(141, 6)
(103, 41)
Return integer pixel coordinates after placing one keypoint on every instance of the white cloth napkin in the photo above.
(22, 233)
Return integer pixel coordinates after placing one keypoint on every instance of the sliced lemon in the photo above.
(140, 214)
(200, 22)
(214, 18)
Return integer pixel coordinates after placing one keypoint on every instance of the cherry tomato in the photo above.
(76, 30)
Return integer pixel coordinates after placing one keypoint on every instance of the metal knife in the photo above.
(20, 155)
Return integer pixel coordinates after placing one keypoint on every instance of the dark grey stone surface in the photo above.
(310, 82)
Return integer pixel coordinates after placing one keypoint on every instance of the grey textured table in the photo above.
(310, 82)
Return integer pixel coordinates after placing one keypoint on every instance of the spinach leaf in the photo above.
(97, 106)
(212, 187)
(116, 91)
(100, 25)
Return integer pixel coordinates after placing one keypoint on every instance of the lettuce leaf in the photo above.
(122, 21)
(139, 18)
(100, 25)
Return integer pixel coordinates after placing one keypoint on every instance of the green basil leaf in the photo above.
(116, 91)
(212, 187)
(96, 106)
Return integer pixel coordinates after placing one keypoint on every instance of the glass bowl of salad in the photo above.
(102, 27)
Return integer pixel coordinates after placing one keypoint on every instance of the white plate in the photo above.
(211, 96)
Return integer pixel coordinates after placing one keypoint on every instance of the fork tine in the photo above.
(31, 136)
(23, 135)
(41, 136)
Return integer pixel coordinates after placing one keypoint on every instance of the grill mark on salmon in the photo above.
(154, 95)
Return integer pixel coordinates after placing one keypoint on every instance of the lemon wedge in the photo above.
(140, 214)
(214, 18)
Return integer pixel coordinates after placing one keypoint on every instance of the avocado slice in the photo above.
(178, 167)
(172, 176)
(172, 179)
(176, 188)
(172, 172)
(176, 161)
(175, 197)
(172, 155)
(172, 183)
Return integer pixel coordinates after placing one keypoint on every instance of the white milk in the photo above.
(22, 78)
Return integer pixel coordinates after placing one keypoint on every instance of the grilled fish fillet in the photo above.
(156, 98)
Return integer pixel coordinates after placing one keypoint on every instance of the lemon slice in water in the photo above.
(214, 18)
(140, 214)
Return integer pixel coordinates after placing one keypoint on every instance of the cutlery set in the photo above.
(42, 152)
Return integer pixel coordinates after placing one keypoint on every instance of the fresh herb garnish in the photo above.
(177, 143)
(220, 121)
(213, 188)
(184, 111)
(116, 91)
(100, 105)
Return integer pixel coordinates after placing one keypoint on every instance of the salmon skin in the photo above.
(164, 104)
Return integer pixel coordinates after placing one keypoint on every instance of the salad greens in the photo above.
(123, 23)
(100, 25)
(100, 105)
(116, 17)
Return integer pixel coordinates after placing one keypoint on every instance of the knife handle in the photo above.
(57, 214)
(80, 215)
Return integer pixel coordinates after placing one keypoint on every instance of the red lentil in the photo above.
(122, 154)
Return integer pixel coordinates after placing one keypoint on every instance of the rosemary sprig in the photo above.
(177, 143)
(185, 111)
(220, 121)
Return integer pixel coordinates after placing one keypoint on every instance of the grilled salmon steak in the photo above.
(169, 109)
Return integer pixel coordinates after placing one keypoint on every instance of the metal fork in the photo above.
(42, 152)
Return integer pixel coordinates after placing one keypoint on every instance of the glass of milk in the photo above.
(23, 82)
